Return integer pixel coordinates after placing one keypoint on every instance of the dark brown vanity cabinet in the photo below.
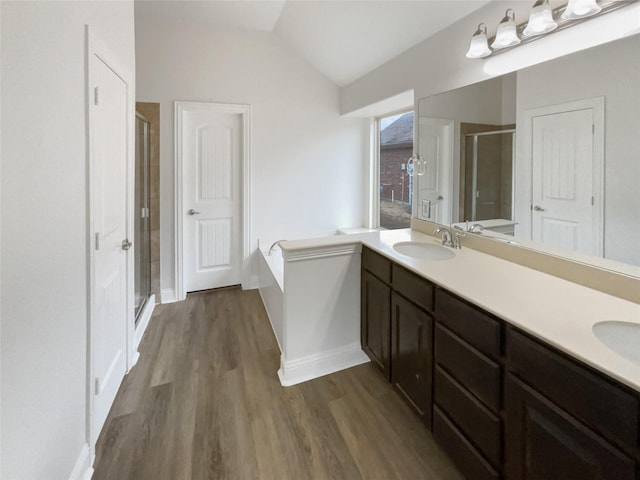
(396, 328)
(564, 420)
(501, 403)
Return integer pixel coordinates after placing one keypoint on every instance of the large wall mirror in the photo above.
(547, 157)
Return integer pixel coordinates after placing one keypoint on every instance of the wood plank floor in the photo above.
(204, 402)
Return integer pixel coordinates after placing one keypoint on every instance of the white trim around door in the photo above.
(524, 210)
(95, 47)
(182, 107)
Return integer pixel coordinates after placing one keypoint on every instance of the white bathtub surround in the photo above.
(270, 285)
(316, 316)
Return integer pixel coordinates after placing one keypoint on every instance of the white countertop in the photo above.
(557, 311)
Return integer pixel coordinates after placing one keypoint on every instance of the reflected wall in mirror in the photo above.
(549, 154)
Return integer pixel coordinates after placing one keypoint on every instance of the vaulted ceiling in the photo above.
(343, 39)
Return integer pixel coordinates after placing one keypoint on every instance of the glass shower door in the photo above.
(489, 172)
(142, 232)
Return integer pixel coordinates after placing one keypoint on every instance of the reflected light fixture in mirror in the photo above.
(479, 47)
(540, 20)
(580, 9)
(507, 35)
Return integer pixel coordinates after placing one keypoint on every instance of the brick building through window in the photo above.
(396, 148)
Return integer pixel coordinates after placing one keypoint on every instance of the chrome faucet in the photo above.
(273, 245)
(449, 240)
(475, 226)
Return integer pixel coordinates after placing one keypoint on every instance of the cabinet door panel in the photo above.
(376, 321)
(603, 406)
(543, 442)
(411, 351)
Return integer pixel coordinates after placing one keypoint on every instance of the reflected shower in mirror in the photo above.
(548, 154)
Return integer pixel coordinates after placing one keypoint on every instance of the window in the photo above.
(395, 148)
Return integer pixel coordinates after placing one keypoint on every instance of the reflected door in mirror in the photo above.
(565, 197)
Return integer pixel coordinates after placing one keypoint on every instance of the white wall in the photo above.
(306, 160)
(611, 71)
(44, 231)
(439, 64)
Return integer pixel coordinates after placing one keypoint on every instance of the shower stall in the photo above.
(142, 227)
(488, 185)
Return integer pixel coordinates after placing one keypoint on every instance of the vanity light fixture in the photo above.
(580, 9)
(507, 35)
(479, 47)
(540, 20)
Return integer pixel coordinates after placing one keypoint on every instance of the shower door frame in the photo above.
(137, 245)
(474, 175)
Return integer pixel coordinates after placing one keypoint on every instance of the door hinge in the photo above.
(97, 240)
(593, 128)
(97, 386)
(95, 96)
(593, 200)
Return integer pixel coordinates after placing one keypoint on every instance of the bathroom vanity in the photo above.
(503, 403)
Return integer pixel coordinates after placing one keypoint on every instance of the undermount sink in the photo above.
(621, 337)
(424, 251)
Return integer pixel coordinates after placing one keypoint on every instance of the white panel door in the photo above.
(108, 129)
(212, 198)
(433, 186)
(563, 196)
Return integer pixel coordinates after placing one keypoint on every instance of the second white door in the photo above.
(566, 168)
(212, 197)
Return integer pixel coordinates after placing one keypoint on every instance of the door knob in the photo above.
(126, 244)
(538, 208)
(193, 212)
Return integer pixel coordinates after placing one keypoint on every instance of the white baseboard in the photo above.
(317, 365)
(82, 470)
(168, 295)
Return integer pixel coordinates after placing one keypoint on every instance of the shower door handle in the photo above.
(126, 244)
(193, 212)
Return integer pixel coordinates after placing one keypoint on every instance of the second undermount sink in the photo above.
(621, 337)
(424, 251)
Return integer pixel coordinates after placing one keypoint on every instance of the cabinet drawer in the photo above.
(476, 372)
(473, 419)
(599, 403)
(473, 325)
(376, 264)
(466, 458)
(413, 287)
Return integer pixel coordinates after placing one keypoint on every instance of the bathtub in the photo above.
(312, 299)
(271, 286)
